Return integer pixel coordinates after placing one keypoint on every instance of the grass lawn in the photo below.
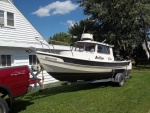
(133, 97)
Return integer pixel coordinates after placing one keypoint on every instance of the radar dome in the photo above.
(87, 36)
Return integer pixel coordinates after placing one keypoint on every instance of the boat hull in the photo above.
(70, 69)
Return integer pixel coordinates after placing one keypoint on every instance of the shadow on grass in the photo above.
(140, 67)
(20, 105)
(66, 89)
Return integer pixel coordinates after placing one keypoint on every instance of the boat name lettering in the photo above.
(99, 57)
(47, 58)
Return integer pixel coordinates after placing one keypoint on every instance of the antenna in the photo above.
(103, 41)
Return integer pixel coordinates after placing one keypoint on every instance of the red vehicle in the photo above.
(14, 82)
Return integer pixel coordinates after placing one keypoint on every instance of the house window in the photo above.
(103, 49)
(10, 19)
(1, 18)
(33, 60)
(5, 60)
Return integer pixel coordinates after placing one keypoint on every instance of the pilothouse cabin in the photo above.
(91, 50)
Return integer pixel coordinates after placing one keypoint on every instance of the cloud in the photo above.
(70, 22)
(56, 8)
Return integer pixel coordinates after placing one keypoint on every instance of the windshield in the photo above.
(90, 47)
(82, 46)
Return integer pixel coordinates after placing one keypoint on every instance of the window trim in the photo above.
(6, 61)
(6, 19)
(3, 18)
(5, 25)
(36, 61)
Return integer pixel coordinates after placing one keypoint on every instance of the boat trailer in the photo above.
(84, 82)
(118, 77)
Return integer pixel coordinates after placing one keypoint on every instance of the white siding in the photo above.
(47, 78)
(20, 57)
(22, 32)
(15, 40)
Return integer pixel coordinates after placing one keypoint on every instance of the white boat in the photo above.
(87, 60)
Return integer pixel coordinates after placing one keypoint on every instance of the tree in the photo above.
(140, 55)
(61, 39)
(123, 22)
(86, 26)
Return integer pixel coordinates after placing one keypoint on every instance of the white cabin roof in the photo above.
(93, 42)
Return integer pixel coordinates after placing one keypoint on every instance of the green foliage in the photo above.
(121, 22)
(140, 56)
(85, 26)
(61, 39)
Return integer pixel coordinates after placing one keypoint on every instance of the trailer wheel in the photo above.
(120, 79)
(3, 106)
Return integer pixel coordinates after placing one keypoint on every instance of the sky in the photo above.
(51, 16)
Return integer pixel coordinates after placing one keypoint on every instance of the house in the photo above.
(16, 35)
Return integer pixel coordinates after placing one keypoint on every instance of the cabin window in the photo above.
(90, 47)
(79, 47)
(103, 49)
(1, 18)
(5, 60)
(33, 60)
(10, 19)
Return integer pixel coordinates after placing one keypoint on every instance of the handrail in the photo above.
(62, 43)
(58, 41)
(42, 43)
